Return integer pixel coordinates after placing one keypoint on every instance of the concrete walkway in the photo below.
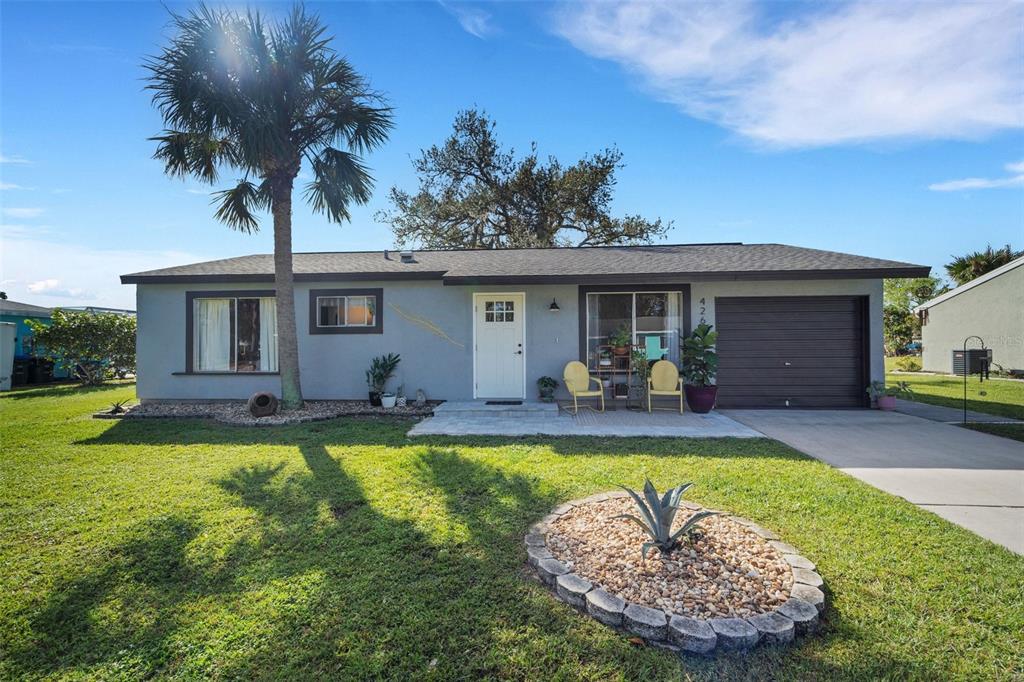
(972, 479)
(949, 415)
(586, 423)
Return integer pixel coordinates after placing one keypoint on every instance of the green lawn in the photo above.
(1002, 397)
(1014, 431)
(187, 549)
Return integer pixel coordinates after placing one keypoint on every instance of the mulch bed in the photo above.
(236, 413)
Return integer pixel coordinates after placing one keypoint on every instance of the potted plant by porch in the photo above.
(700, 363)
(546, 388)
(641, 370)
(619, 339)
(381, 369)
(885, 396)
(388, 400)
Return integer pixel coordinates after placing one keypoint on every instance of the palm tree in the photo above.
(262, 100)
(963, 269)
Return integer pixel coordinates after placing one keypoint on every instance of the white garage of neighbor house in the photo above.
(991, 306)
(798, 327)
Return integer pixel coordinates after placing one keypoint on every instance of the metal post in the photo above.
(967, 367)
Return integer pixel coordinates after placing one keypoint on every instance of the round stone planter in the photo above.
(798, 616)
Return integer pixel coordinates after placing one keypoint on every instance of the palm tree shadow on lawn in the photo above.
(385, 599)
(334, 583)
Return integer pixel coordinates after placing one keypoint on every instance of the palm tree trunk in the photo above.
(287, 331)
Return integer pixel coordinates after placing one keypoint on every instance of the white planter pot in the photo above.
(388, 401)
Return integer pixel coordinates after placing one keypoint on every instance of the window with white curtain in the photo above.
(234, 334)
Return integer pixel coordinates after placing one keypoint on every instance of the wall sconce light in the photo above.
(554, 306)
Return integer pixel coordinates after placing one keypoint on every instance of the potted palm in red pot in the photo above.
(700, 363)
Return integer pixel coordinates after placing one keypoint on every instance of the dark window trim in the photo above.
(190, 296)
(683, 288)
(314, 314)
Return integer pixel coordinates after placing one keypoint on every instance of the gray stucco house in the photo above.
(798, 327)
(991, 306)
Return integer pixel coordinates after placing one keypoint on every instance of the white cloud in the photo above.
(13, 159)
(196, 190)
(1016, 179)
(473, 20)
(14, 212)
(843, 73)
(11, 185)
(63, 273)
(53, 287)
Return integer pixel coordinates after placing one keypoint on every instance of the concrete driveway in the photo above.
(970, 478)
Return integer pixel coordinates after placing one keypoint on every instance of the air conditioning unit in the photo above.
(976, 361)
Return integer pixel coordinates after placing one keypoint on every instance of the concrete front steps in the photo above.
(528, 409)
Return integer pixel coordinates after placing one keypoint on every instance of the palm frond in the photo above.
(339, 178)
(237, 206)
(197, 154)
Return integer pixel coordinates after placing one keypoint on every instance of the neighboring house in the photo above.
(18, 313)
(26, 369)
(798, 327)
(991, 306)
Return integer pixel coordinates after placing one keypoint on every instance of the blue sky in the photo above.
(890, 130)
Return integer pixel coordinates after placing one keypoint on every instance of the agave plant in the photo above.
(657, 515)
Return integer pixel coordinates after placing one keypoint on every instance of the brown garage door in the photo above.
(791, 351)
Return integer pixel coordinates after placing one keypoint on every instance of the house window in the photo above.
(345, 311)
(234, 334)
(499, 311)
(652, 319)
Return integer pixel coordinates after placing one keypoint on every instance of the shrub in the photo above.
(91, 345)
(908, 363)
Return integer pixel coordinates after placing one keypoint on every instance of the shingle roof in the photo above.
(590, 264)
(15, 308)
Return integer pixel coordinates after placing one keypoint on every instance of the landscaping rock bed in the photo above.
(735, 586)
(236, 412)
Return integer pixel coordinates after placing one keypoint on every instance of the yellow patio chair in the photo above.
(577, 382)
(664, 380)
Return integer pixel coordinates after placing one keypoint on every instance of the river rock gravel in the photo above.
(729, 571)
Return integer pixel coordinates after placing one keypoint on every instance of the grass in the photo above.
(1002, 397)
(341, 549)
(1013, 431)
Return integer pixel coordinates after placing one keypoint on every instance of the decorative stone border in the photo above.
(798, 616)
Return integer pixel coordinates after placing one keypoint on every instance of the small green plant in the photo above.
(641, 370)
(621, 337)
(901, 389)
(700, 361)
(546, 387)
(657, 515)
(908, 363)
(381, 369)
(118, 407)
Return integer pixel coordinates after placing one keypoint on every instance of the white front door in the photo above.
(499, 353)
